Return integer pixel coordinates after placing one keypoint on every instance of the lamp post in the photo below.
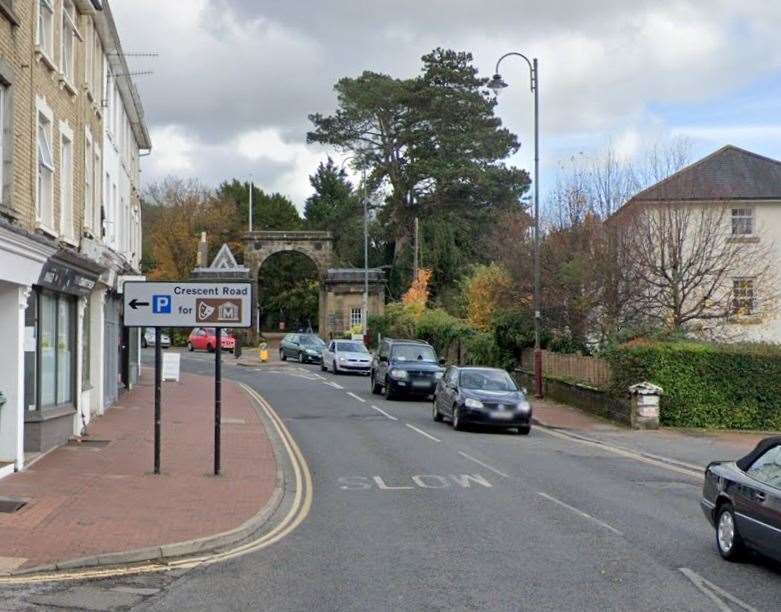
(497, 84)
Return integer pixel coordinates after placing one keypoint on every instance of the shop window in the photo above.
(53, 382)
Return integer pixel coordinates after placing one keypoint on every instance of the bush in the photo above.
(482, 349)
(441, 329)
(705, 385)
(397, 322)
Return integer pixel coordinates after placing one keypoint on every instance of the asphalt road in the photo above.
(409, 514)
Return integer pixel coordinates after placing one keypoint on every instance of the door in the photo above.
(763, 502)
(450, 390)
(330, 354)
(382, 362)
(111, 351)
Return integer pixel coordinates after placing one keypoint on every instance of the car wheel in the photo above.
(728, 539)
(437, 415)
(282, 355)
(322, 366)
(334, 369)
(457, 424)
(301, 357)
(524, 431)
(190, 347)
(389, 394)
(376, 389)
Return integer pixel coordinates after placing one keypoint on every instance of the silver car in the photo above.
(346, 356)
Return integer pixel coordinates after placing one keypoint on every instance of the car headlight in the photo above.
(473, 403)
(342, 359)
(311, 351)
(523, 407)
(399, 374)
(438, 375)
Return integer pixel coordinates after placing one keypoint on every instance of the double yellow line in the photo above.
(302, 503)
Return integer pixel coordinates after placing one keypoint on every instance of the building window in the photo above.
(4, 142)
(743, 296)
(69, 34)
(66, 184)
(45, 36)
(45, 207)
(742, 221)
(85, 348)
(356, 316)
(56, 355)
(89, 192)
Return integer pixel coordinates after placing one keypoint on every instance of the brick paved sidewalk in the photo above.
(86, 501)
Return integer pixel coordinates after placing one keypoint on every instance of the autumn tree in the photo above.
(487, 291)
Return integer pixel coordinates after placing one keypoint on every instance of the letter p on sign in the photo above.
(161, 304)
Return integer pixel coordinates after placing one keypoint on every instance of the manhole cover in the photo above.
(9, 505)
(87, 443)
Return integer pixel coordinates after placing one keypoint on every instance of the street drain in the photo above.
(87, 443)
(9, 505)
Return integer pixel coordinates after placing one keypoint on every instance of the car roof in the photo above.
(481, 369)
(416, 342)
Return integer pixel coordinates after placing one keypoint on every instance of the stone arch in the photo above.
(317, 246)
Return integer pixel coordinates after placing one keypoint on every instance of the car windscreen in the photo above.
(487, 380)
(413, 352)
(351, 347)
(311, 341)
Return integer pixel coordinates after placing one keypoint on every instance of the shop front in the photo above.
(53, 352)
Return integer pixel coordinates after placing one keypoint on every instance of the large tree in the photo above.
(433, 146)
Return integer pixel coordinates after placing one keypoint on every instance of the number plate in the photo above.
(501, 415)
(420, 383)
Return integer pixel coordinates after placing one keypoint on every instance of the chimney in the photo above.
(203, 252)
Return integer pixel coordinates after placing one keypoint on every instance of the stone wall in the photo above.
(586, 398)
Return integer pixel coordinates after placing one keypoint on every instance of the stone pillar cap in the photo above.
(646, 388)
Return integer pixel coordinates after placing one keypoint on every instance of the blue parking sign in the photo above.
(161, 304)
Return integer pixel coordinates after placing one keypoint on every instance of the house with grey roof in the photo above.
(731, 203)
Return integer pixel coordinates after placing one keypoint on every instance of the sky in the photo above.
(236, 79)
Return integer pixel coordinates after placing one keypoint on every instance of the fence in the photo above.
(590, 371)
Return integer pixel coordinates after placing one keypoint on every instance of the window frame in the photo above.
(44, 40)
(67, 183)
(68, 65)
(740, 295)
(740, 216)
(44, 114)
(776, 450)
(353, 321)
(89, 180)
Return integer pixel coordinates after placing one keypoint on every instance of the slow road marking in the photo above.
(418, 481)
(579, 513)
(423, 433)
(358, 397)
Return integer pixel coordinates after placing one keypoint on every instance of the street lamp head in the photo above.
(497, 83)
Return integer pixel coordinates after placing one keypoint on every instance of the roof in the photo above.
(407, 341)
(731, 173)
(335, 275)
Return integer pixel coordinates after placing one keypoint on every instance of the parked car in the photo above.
(482, 396)
(205, 339)
(742, 500)
(405, 367)
(148, 339)
(307, 348)
(346, 356)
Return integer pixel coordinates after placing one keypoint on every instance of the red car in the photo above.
(204, 339)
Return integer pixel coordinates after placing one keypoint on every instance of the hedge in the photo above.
(705, 385)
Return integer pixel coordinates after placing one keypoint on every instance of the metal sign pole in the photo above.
(217, 398)
(158, 385)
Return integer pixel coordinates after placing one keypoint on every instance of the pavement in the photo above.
(408, 514)
(100, 497)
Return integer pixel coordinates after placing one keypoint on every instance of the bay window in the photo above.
(45, 34)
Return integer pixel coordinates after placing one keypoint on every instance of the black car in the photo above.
(482, 396)
(742, 500)
(405, 367)
(307, 348)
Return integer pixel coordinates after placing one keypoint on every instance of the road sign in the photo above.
(171, 366)
(188, 304)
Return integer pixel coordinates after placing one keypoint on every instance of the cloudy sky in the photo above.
(236, 79)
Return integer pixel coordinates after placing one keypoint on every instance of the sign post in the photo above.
(216, 305)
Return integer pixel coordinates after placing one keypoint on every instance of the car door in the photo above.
(382, 362)
(199, 339)
(451, 390)
(329, 354)
(763, 502)
(441, 391)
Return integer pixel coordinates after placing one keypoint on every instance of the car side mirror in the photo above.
(441, 361)
(525, 391)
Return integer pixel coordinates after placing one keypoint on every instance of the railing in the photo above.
(591, 371)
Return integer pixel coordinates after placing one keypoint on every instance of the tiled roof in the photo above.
(730, 173)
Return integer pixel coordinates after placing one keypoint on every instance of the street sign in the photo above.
(171, 366)
(188, 304)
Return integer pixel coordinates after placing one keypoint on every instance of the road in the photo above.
(409, 514)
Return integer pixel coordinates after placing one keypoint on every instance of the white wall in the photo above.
(13, 301)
